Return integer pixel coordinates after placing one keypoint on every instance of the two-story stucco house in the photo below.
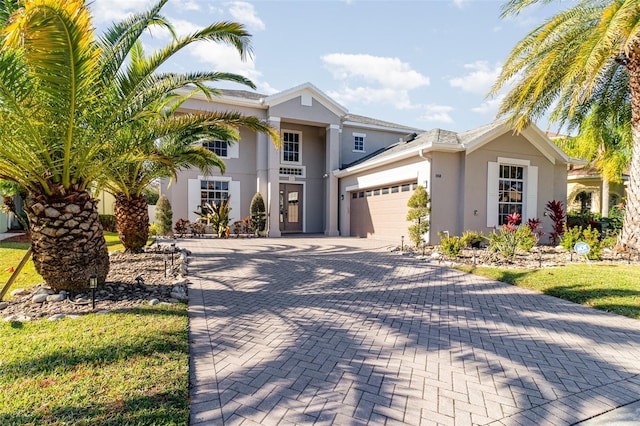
(344, 174)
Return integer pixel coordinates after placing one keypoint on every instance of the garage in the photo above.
(381, 212)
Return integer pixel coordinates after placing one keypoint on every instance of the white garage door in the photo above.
(381, 213)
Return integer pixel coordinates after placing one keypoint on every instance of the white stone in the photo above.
(436, 255)
(154, 302)
(17, 318)
(39, 298)
(45, 290)
(102, 312)
(73, 316)
(56, 298)
(56, 317)
(19, 292)
(3, 305)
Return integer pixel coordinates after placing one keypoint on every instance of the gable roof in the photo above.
(308, 89)
(440, 140)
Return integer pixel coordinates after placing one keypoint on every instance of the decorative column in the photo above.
(273, 184)
(332, 156)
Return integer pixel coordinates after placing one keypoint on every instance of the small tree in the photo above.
(555, 210)
(418, 212)
(258, 213)
(164, 215)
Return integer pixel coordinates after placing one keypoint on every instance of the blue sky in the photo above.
(420, 63)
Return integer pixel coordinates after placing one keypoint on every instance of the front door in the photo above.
(290, 207)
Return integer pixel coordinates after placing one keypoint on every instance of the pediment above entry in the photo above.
(305, 103)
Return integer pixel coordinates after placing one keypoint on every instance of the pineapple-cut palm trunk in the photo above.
(67, 240)
(132, 222)
(630, 235)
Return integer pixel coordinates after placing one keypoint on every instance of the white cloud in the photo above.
(245, 13)
(220, 57)
(479, 80)
(107, 11)
(368, 95)
(490, 106)
(186, 5)
(437, 113)
(389, 72)
(459, 3)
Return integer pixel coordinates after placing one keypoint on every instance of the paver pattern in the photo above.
(341, 331)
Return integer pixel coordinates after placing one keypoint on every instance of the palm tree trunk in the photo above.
(132, 221)
(67, 240)
(630, 235)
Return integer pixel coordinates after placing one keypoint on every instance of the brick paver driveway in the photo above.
(340, 331)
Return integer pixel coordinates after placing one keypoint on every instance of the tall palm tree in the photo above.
(585, 55)
(64, 96)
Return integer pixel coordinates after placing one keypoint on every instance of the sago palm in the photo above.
(64, 96)
(586, 55)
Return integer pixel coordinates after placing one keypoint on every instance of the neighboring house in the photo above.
(343, 174)
(585, 191)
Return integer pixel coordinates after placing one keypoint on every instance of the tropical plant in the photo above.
(472, 238)
(512, 237)
(258, 213)
(555, 210)
(158, 143)
(217, 215)
(164, 215)
(585, 59)
(418, 213)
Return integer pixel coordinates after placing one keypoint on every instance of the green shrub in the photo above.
(164, 215)
(154, 229)
(152, 195)
(510, 239)
(418, 213)
(589, 235)
(472, 238)
(451, 246)
(570, 237)
(108, 222)
(258, 213)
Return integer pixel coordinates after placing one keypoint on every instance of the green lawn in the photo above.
(612, 288)
(11, 254)
(117, 368)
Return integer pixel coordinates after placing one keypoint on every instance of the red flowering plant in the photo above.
(514, 236)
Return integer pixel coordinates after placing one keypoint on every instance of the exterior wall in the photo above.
(373, 141)
(447, 194)
(551, 179)
(241, 170)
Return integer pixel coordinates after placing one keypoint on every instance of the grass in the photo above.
(127, 367)
(11, 254)
(117, 368)
(612, 288)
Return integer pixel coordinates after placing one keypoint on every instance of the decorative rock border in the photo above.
(135, 280)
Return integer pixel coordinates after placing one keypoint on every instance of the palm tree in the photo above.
(604, 139)
(162, 143)
(64, 97)
(586, 55)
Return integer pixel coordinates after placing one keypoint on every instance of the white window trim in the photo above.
(363, 136)
(299, 162)
(530, 201)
